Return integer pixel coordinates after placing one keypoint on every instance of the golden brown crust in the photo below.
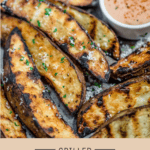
(44, 51)
(102, 35)
(9, 124)
(134, 125)
(66, 32)
(123, 97)
(136, 64)
(26, 92)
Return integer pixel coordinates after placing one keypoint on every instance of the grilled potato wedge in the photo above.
(66, 32)
(102, 35)
(77, 2)
(27, 93)
(2, 134)
(136, 64)
(9, 125)
(123, 97)
(67, 80)
(135, 125)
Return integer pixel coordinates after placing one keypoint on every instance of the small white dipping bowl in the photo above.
(133, 32)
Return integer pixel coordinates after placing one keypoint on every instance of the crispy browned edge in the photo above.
(118, 116)
(64, 47)
(75, 66)
(14, 93)
(81, 4)
(120, 74)
(89, 103)
(115, 46)
(1, 134)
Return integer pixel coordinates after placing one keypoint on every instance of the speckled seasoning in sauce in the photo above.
(132, 12)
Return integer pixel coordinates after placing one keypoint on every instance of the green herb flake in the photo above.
(27, 62)
(51, 55)
(29, 55)
(64, 96)
(33, 41)
(10, 112)
(66, 104)
(63, 86)
(22, 58)
(48, 11)
(2, 84)
(62, 60)
(73, 30)
(100, 39)
(49, 91)
(55, 30)
(97, 84)
(104, 35)
(106, 52)
(56, 74)
(7, 129)
(72, 44)
(44, 65)
(82, 43)
(41, 0)
(87, 73)
(31, 68)
(84, 47)
(146, 33)
(122, 49)
(30, 20)
(39, 5)
(92, 43)
(132, 47)
(116, 8)
(65, 11)
(108, 40)
(16, 124)
(39, 24)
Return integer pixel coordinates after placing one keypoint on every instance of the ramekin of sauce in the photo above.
(130, 18)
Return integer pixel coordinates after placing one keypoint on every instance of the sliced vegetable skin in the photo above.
(134, 125)
(69, 36)
(26, 92)
(136, 64)
(120, 98)
(102, 35)
(10, 126)
(50, 60)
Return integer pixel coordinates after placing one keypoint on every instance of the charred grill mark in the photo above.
(123, 131)
(64, 47)
(27, 99)
(51, 130)
(108, 131)
(100, 101)
(83, 60)
(93, 30)
(34, 75)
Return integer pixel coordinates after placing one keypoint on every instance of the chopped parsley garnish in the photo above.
(93, 90)
(44, 65)
(122, 49)
(82, 43)
(66, 104)
(100, 39)
(108, 40)
(39, 24)
(41, 0)
(27, 62)
(10, 112)
(49, 91)
(56, 74)
(16, 124)
(22, 58)
(116, 8)
(104, 35)
(39, 5)
(71, 38)
(73, 30)
(31, 68)
(30, 19)
(2, 85)
(48, 10)
(97, 84)
(33, 41)
(55, 30)
(63, 86)
(72, 44)
(51, 55)
(95, 47)
(62, 60)
(87, 73)
(83, 47)
(64, 96)
(92, 43)
(7, 129)
(132, 47)
(18, 48)
(65, 11)
(29, 55)
(106, 52)
(146, 33)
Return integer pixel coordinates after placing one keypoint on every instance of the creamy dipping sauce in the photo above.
(132, 12)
